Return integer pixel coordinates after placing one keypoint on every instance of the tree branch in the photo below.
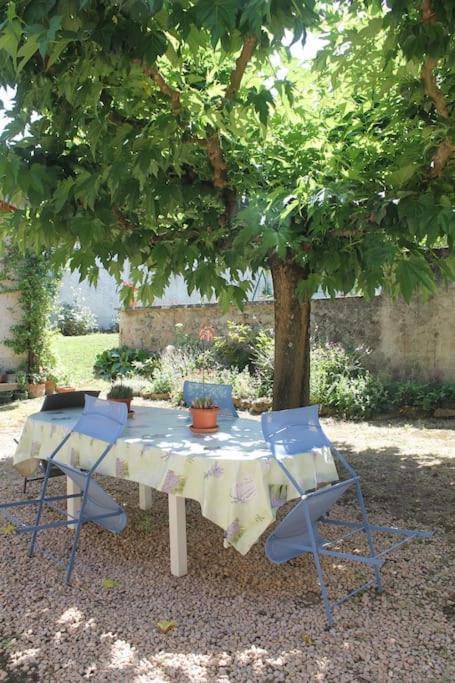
(240, 66)
(123, 222)
(212, 142)
(215, 154)
(431, 87)
(5, 207)
(428, 14)
(446, 147)
(444, 151)
(164, 87)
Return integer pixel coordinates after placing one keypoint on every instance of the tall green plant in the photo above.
(29, 275)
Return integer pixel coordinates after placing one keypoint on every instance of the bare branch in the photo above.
(240, 66)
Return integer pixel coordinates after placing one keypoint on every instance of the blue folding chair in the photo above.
(101, 420)
(298, 431)
(221, 395)
(69, 399)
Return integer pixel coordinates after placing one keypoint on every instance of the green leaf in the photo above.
(403, 174)
(108, 584)
(218, 16)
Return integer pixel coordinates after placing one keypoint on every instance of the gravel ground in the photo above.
(238, 618)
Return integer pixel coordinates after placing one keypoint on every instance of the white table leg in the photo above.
(145, 497)
(177, 535)
(73, 505)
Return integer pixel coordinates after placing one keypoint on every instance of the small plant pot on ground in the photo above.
(64, 390)
(36, 390)
(51, 387)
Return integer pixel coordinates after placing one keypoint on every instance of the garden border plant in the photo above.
(343, 381)
(29, 275)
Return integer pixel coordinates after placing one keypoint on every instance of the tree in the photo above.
(177, 135)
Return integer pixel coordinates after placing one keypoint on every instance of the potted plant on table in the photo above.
(121, 393)
(204, 414)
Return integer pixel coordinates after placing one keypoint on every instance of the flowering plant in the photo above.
(206, 334)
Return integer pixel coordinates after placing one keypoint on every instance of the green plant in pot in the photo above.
(52, 379)
(121, 393)
(204, 414)
(36, 386)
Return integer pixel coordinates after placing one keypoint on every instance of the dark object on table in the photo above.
(72, 399)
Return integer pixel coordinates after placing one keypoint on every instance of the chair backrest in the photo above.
(294, 431)
(221, 394)
(69, 399)
(104, 420)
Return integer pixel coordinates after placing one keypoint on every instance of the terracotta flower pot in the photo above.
(51, 387)
(64, 390)
(204, 418)
(36, 390)
(126, 401)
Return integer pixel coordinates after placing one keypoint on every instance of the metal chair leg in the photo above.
(317, 562)
(371, 545)
(25, 485)
(70, 565)
(39, 511)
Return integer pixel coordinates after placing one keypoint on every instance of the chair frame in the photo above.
(374, 560)
(64, 398)
(49, 501)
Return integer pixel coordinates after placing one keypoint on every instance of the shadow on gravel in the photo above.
(409, 487)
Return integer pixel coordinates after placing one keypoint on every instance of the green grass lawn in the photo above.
(76, 356)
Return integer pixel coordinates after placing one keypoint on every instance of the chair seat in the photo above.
(292, 536)
(98, 502)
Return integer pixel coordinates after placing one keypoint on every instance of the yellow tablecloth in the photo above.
(230, 473)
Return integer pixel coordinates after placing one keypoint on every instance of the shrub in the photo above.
(123, 361)
(340, 380)
(162, 382)
(263, 359)
(423, 396)
(235, 348)
(76, 318)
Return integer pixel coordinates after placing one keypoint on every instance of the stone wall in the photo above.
(415, 340)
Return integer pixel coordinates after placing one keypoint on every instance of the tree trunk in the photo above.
(291, 386)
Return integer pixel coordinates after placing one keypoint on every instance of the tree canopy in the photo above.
(183, 137)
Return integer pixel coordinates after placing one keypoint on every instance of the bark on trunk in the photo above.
(291, 387)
